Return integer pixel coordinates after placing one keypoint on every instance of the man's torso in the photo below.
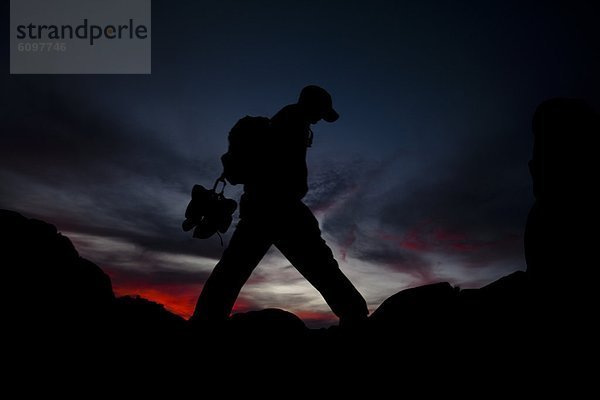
(282, 172)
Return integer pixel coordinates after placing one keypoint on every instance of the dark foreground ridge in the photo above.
(69, 298)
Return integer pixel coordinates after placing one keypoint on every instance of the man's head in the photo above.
(317, 104)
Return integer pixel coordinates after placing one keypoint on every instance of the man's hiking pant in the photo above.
(294, 230)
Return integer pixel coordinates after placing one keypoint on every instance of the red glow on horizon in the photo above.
(180, 304)
(316, 316)
(179, 299)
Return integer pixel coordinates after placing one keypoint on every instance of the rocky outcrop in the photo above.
(53, 289)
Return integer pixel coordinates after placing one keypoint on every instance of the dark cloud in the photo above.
(73, 163)
(467, 211)
(156, 277)
(483, 190)
(67, 138)
(331, 183)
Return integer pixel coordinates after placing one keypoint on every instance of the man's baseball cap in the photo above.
(319, 97)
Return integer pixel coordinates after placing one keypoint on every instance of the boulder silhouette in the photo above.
(137, 320)
(271, 321)
(57, 290)
(420, 308)
(59, 287)
(47, 275)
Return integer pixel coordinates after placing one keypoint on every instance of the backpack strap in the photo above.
(220, 194)
(220, 237)
(223, 181)
(309, 139)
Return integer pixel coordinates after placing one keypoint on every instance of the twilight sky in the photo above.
(424, 177)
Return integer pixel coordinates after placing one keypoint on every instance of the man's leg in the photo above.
(302, 244)
(247, 247)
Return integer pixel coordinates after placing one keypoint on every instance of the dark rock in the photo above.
(56, 291)
(140, 320)
(45, 273)
(271, 320)
(430, 304)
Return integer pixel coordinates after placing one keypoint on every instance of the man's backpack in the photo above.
(247, 141)
(209, 211)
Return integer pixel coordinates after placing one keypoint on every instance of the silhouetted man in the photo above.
(272, 213)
